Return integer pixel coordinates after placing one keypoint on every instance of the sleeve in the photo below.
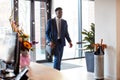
(48, 31)
(67, 33)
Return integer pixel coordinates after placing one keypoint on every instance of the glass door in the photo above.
(34, 12)
(70, 13)
(40, 21)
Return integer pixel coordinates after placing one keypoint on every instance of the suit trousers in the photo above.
(58, 53)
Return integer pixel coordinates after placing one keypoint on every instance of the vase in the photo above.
(24, 59)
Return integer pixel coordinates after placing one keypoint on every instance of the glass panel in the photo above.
(7, 36)
(40, 21)
(88, 15)
(70, 13)
(24, 16)
(24, 22)
(24, 19)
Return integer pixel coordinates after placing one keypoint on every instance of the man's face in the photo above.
(59, 13)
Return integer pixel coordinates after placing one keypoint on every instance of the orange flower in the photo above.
(27, 44)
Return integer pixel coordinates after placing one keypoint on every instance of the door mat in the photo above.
(63, 65)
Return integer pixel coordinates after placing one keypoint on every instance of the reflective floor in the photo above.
(75, 70)
(78, 73)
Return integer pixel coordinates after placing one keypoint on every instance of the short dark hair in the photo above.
(58, 8)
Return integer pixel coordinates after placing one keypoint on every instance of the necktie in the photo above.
(59, 28)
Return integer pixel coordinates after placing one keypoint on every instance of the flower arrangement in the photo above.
(25, 44)
(96, 46)
(22, 37)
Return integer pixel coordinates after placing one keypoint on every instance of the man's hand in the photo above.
(70, 43)
(52, 44)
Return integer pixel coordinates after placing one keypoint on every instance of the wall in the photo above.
(107, 29)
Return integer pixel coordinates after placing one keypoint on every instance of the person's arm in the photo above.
(67, 36)
(48, 34)
(70, 43)
(48, 31)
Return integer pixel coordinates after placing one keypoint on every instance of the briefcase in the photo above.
(49, 50)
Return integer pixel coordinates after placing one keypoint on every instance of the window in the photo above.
(70, 13)
(7, 36)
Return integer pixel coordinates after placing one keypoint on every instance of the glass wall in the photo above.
(39, 22)
(70, 13)
(24, 16)
(88, 15)
(7, 36)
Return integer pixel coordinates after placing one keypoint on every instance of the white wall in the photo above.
(105, 21)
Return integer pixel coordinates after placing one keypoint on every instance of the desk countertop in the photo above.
(42, 72)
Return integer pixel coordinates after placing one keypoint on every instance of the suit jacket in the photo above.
(51, 31)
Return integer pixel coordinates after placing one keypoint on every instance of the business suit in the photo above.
(64, 31)
(59, 45)
(52, 36)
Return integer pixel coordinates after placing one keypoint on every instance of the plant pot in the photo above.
(89, 61)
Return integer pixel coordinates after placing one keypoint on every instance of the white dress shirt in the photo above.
(58, 22)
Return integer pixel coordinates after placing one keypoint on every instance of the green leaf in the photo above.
(89, 37)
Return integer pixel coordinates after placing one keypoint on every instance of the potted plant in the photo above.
(89, 37)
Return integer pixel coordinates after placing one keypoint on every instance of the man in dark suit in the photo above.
(56, 33)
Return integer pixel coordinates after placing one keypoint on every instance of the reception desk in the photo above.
(42, 72)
